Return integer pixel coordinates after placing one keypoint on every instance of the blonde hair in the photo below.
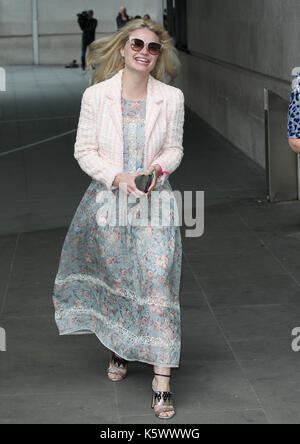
(104, 54)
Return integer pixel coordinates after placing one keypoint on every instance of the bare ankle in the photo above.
(161, 383)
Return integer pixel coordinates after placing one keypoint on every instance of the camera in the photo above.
(83, 15)
(83, 18)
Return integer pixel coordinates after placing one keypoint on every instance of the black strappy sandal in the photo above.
(118, 366)
(162, 399)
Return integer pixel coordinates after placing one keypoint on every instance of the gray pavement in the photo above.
(239, 289)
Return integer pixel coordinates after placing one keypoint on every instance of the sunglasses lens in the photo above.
(154, 48)
(137, 44)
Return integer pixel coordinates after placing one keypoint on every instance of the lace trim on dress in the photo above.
(139, 120)
(132, 145)
(164, 342)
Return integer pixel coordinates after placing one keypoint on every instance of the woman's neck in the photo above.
(134, 85)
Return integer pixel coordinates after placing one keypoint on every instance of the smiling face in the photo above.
(131, 56)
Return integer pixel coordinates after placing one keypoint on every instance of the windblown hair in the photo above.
(104, 53)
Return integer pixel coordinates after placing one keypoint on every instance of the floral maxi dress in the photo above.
(122, 282)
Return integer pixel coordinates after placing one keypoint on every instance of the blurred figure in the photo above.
(138, 17)
(88, 25)
(294, 117)
(122, 17)
(166, 18)
(146, 17)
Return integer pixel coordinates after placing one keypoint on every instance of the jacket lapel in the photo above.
(153, 105)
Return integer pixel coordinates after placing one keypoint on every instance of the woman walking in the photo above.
(121, 282)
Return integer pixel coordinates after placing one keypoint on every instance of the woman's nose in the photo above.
(145, 51)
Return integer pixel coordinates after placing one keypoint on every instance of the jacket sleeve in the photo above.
(95, 24)
(171, 153)
(80, 23)
(92, 25)
(86, 147)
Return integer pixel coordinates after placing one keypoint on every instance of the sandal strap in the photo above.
(167, 393)
(158, 374)
(117, 371)
(162, 396)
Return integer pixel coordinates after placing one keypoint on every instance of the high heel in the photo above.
(117, 366)
(162, 399)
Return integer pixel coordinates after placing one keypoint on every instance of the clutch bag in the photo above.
(143, 182)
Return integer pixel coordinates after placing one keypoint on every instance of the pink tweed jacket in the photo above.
(99, 138)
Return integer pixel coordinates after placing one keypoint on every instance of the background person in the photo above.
(88, 24)
(123, 18)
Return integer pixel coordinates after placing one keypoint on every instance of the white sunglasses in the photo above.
(137, 45)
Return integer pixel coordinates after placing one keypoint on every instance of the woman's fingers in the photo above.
(137, 194)
(150, 171)
(136, 191)
(131, 187)
(152, 184)
(149, 190)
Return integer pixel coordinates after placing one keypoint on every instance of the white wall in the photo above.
(15, 32)
(238, 48)
(59, 33)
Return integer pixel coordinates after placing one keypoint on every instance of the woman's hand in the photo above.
(155, 170)
(129, 179)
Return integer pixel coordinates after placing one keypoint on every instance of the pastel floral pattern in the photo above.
(122, 282)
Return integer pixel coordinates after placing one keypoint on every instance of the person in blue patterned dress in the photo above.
(122, 283)
(293, 127)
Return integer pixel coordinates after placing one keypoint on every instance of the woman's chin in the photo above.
(141, 68)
